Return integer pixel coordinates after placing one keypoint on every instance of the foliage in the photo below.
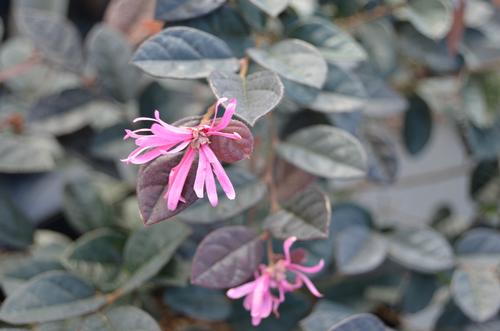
(335, 99)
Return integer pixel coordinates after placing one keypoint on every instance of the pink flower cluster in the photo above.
(259, 297)
(163, 138)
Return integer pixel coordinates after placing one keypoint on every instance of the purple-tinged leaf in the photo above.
(226, 257)
(178, 10)
(152, 184)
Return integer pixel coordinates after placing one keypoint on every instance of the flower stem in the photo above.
(244, 62)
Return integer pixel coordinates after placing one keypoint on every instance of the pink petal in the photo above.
(179, 147)
(260, 291)
(309, 284)
(222, 177)
(256, 321)
(211, 188)
(226, 118)
(170, 132)
(241, 291)
(309, 270)
(167, 126)
(217, 105)
(286, 248)
(146, 157)
(201, 174)
(267, 305)
(177, 186)
(247, 302)
(234, 135)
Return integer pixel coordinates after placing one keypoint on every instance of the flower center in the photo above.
(199, 137)
(277, 270)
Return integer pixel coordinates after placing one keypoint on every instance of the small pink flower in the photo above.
(168, 139)
(259, 297)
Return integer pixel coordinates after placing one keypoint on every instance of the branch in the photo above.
(358, 19)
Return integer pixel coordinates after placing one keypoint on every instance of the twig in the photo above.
(356, 20)
(244, 62)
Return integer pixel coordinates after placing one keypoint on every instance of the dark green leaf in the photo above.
(382, 155)
(480, 241)
(293, 59)
(50, 296)
(418, 292)
(96, 257)
(417, 125)
(125, 318)
(422, 249)
(148, 250)
(325, 151)
(306, 216)
(257, 94)
(57, 38)
(226, 257)
(17, 230)
(182, 52)
(177, 10)
(213, 307)
(249, 191)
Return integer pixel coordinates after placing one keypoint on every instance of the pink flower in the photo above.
(164, 138)
(259, 295)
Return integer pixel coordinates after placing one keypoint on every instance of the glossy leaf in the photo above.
(306, 216)
(124, 15)
(476, 291)
(325, 151)
(359, 322)
(50, 296)
(479, 241)
(257, 94)
(226, 257)
(96, 257)
(293, 59)
(422, 250)
(214, 306)
(182, 52)
(124, 318)
(271, 7)
(149, 249)
(417, 126)
(432, 18)
(57, 38)
(177, 10)
(17, 230)
(249, 191)
(108, 52)
(383, 158)
(336, 46)
(324, 315)
(359, 250)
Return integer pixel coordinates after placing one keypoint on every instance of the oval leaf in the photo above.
(325, 151)
(57, 38)
(182, 52)
(476, 290)
(51, 296)
(432, 18)
(148, 250)
(226, 257)
(324, 315)
(306, 216)
(257, 94)
(417, 126)
(126, 318)
(295, 60)
(17, 230)
(271, 7)
(178, 10)
(479, 241)
(359, 250)
(359, 322)
(423, 250)
(124, 15)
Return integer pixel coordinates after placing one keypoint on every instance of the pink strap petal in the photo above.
(286, 248)
(241, 291)
(179, 147)
(211, 188)
(309, 284)
(234, 135)
(217, 105)
(148, 156)
(222, 177)
(177, 186)
(308, 270)
(201, 174)
(226, 118)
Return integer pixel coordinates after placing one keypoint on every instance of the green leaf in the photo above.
(226, 257)
(17, 230)
(306, 216)
(27, 153)
(57, 38)
(359, 250)
(293, 59)
(383, 158)
(125, 318)
(271, 7)
(149, 249)
(249, 191)
(65, 325)
(422, 249)
(214, 306)
(359, 322)
(342, 92)
(476, 290)
(182, 52)
(178, 10)
(335, 45)
(325, 151)
(432, 18)
(48, 297)
(417, 125)
(257, 94)
(325, 314)
(479, 241)
(84, 207)
(96, 257)
(108, 52)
